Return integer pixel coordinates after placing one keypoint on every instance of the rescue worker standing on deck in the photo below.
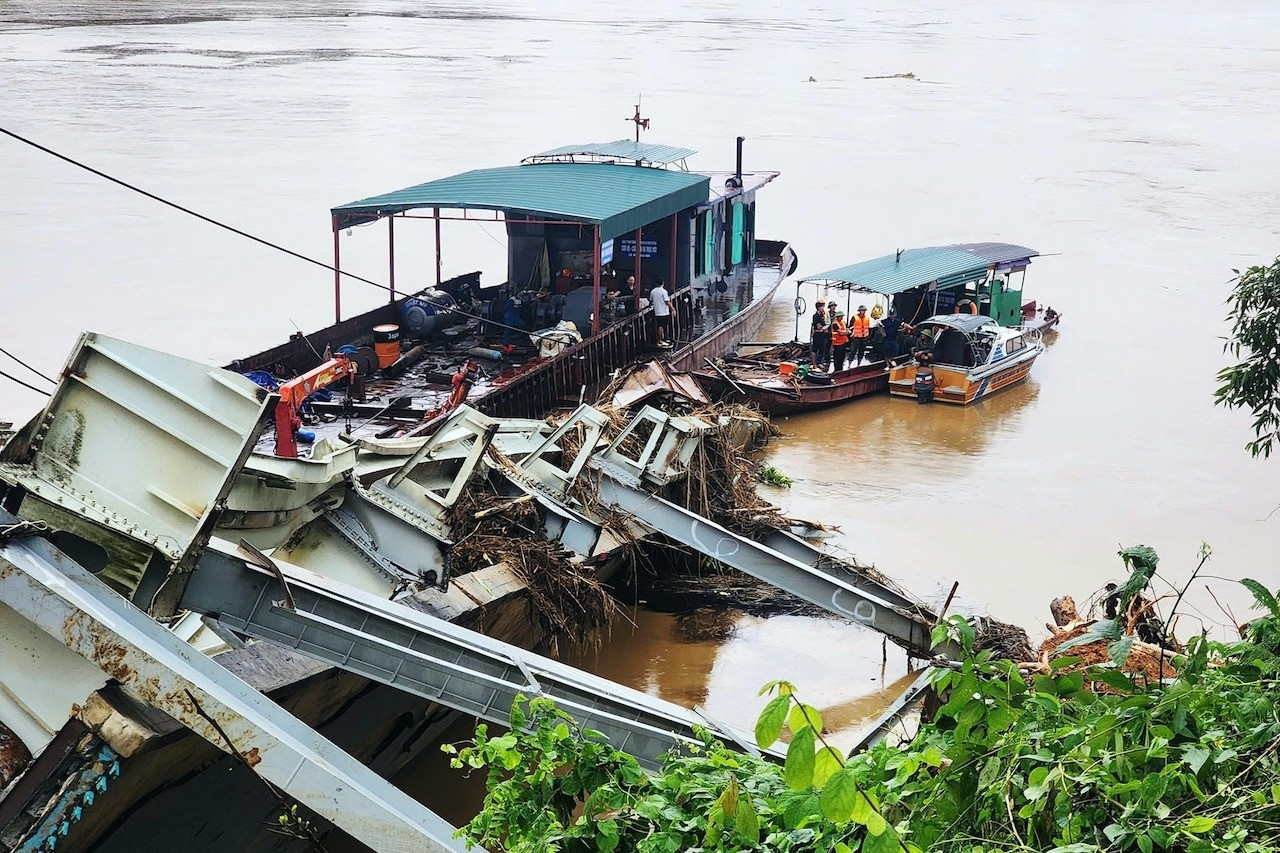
(861, 327)
(820, 337)
(890, 326)
(839, 339)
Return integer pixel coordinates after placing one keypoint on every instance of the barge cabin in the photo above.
(579, 221)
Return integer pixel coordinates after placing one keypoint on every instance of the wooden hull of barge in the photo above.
(845, 385)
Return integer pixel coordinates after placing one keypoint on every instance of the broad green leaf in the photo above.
(862, 808)
(1144, 843)
(1195, 757)
(606, 835)
(729, 798)
(1120, 649)
(747, 823)
(826, 762)
(797, 770)
(769, 723)
(876, 824)
(1069, 685)
(840, 797)
(1064, 661)
(932, 756)
(991, 771)
(1198, 825)
(885, 842)
(1200, 846)
(1113, 679)
(1262, 596)
(802, 715)
(972, 713)
(841, 847)
(1103, 629)
(1275, 794)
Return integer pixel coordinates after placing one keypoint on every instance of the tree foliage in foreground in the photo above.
(1254, 381)
(1007, 764)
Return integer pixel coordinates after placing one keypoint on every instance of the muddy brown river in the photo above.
(1132, 144)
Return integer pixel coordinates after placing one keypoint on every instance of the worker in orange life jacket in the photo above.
(839, 339)
(861, 328)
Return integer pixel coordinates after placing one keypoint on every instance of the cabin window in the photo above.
(1014, 344)
(735, 255)
(708, 243)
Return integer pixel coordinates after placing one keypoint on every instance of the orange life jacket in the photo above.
(861, 325)
(839, 332)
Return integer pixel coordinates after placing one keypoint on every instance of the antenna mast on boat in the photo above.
(639, 122)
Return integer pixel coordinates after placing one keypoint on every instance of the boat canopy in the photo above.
(941, 266)
(621, 150)
(618, 198)
(967, 323)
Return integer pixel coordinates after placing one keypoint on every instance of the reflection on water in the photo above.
(834, 664)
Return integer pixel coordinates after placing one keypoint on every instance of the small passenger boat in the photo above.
(960, 358)
(981, 280)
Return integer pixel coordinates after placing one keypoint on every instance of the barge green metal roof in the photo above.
(947, 266)
(617, 198)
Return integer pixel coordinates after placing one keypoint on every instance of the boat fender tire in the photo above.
(818, 378)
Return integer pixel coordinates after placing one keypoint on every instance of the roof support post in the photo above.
(639, 234)
(595, 284)
(337, 274)
(436, 213)
(391, 255)
(671, 281)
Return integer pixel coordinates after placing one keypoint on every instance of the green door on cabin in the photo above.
(735, 254)
(1006, 301)
(708, 243)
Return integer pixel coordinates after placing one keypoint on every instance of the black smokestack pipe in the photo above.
(738, 171)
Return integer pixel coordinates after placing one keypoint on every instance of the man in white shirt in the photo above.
(661, 301)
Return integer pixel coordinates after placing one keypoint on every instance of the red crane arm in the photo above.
(293, 392)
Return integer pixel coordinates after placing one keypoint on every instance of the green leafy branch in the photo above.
(813, 764)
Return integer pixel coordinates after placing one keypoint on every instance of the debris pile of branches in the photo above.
(1004, 640)
(492, 528)
(1130, 618)
(721, 484)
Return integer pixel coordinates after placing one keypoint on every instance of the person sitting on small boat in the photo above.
(820, 335)
(839, 339)
(890, 327)
(861, 334)
(922, 345)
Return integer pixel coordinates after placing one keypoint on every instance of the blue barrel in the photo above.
(423, 317)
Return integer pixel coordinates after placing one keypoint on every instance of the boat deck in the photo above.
(524, 384)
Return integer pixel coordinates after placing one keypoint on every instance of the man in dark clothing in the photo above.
(890, 327)
(820, 337)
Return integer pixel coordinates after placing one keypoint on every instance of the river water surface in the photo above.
(1132, 143)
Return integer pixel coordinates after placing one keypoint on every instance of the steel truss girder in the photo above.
(161, 670)
(825, 589)
(395, 645)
